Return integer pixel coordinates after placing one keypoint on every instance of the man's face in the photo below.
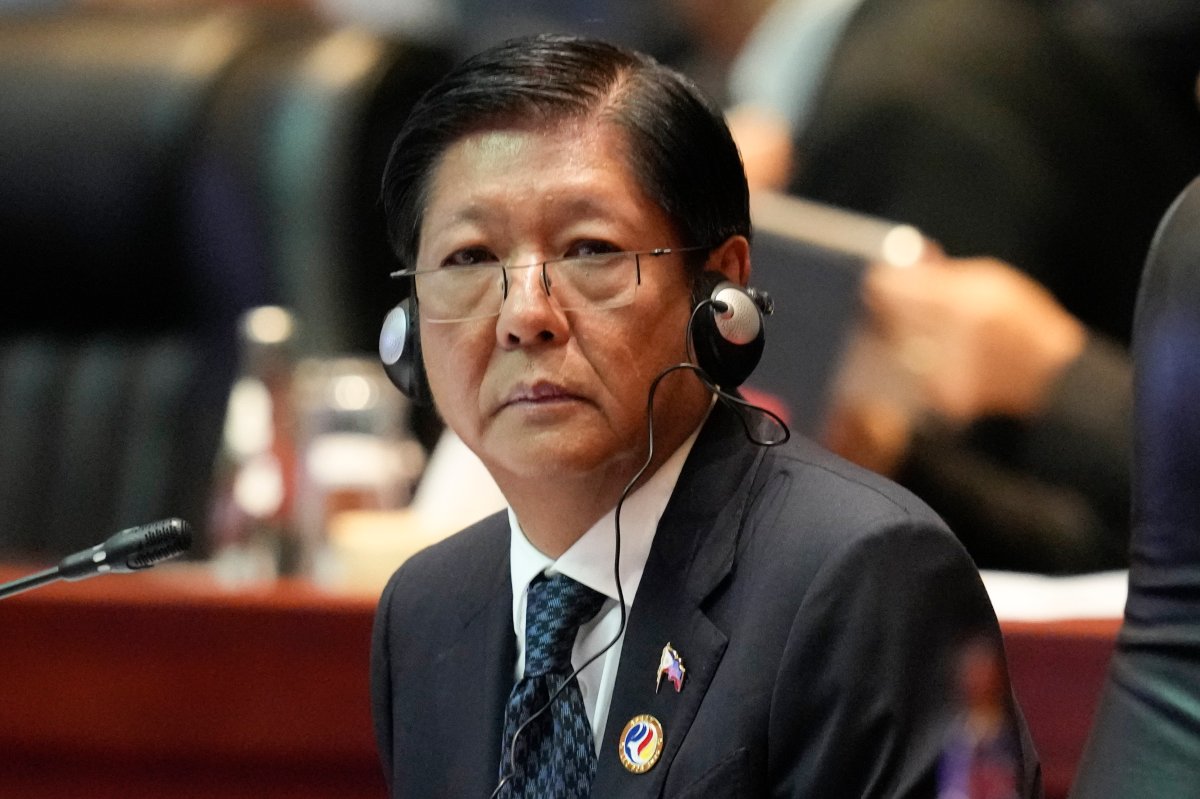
(539, 393)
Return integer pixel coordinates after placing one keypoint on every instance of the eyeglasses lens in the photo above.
(589, 282)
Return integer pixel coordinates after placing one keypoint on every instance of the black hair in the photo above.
(678, 143)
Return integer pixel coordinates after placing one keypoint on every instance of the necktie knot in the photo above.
(555, 610)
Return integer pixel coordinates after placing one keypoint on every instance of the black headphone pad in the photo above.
(726, 333)
(400, 352)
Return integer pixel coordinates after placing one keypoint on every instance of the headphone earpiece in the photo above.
(400, 351)
(726, 335)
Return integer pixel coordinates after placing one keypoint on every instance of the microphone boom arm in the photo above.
(28, 582)
(129, 550)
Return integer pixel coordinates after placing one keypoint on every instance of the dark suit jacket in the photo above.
(815, 606)
(1145, 739)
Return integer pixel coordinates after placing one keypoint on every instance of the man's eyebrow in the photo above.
(475, 212)
(585, 205)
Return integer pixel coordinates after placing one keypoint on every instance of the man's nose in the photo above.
(528, 314)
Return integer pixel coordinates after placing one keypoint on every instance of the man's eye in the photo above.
(586, 248)
(471, 256)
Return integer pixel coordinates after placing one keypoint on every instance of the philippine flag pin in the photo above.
(641, 744)
(670, 665)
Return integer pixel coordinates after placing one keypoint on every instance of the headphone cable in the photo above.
(735, 404)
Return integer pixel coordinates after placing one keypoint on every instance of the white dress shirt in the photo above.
(590, 561)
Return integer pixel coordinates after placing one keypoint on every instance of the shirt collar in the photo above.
(590, 559)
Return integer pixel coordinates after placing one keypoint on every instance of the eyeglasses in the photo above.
(578, 283)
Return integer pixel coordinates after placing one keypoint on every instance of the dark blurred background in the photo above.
(166, 167)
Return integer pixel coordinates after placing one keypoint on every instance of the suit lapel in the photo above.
(477, 672)
(692, 554)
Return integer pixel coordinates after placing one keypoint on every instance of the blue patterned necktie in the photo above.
(555, 757)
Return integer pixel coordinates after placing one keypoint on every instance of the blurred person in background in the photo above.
(1037, 152)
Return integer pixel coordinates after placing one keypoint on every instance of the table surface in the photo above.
(167, 684)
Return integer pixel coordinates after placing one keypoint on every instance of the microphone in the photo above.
(129, 550)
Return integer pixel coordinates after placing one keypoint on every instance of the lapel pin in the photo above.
(671, 665)
(641, 744)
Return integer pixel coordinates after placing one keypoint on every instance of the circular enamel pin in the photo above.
(641, 744)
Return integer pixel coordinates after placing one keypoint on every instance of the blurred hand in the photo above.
(953, 338)
(874, 434)
(977, 336)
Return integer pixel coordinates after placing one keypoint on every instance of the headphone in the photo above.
(400, 351)
(725, 337)
(726, 330)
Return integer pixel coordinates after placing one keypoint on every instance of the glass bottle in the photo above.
(356, 451)
(251, 521)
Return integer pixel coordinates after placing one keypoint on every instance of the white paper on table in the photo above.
(456, 489)
(1018, 596)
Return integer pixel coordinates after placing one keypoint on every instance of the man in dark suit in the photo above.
(764, 620)
(1145, 740)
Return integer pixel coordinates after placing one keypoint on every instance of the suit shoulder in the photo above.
(813, 518)
(804, 471)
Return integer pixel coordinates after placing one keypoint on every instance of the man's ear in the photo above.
(732, 259)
